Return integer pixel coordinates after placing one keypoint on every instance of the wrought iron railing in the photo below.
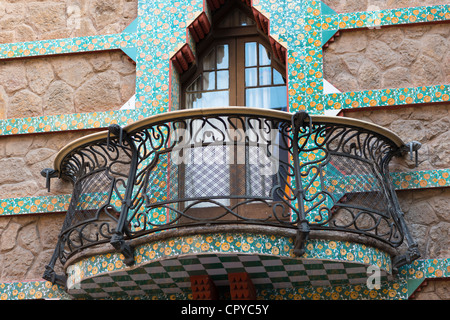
(231, 166)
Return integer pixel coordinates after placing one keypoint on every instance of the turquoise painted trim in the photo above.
(387, 17)
(34, 205)
(131, 51)
(67, 45)
(30, 290)
(421, 179)
(68, 122)
(413, 284)
(426, 269)
(328, 34)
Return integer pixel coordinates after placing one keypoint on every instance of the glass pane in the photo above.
(264, 58)
(250, 54)
(251, 77)
(222, 56)
(268, 97)
(209, 62)
(277, 77)
(193, 100)
(265, 76)
(222, 79)
(207, 99)
(209, 80)
(196, 85)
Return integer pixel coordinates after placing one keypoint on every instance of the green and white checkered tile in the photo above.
(171, 276)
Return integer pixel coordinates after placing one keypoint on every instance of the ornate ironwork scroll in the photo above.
(100, 172)
(229, 167)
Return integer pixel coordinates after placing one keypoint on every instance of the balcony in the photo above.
(303, 180)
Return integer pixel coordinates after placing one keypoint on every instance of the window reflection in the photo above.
(265, 86)
(210, 89)
(250, 54)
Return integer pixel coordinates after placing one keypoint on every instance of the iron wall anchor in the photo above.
(300, 239)
(124, 248)
(48, 173)
(50, 275)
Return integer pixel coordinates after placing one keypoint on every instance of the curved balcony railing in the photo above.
(230, 166)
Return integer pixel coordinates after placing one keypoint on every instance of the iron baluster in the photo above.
(303, 228)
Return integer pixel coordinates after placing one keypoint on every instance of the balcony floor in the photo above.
(163, 268)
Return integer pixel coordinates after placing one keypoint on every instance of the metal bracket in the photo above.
(116, 130)
(301, 238)
(413, 148)
(50, 275)
(298, 119)
(401, 260)
(49, 173)
(124, 248)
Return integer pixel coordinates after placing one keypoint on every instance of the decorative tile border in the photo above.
(34, 205)
(424, 269)
(386, 97)
(32, 289)
(421, 179)
(392, 290)
(68, 122)
(231, 243)
(387, 17)
(67, 45)
(397, 289)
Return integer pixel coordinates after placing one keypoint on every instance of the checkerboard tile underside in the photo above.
(172, 276)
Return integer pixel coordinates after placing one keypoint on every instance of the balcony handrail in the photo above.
(179, 114)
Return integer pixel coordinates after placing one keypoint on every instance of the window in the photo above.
(235, 68)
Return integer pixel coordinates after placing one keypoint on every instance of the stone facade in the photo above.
(400, 57)
(27, 244)
(84, 82)
(433, 290)
(53, 85)
(41, 20)
(354, 62)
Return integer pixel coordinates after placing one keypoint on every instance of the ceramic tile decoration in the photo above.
(267, 258)
(390, 290)
(161, 29)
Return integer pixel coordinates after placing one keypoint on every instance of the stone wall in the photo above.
(27, 244)
(51, 85)
(391, 57)
(397, 57)
(433, 289)
(427, 124)
(65, 84)
(343, 6)
(22, 158)
(24, 20)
